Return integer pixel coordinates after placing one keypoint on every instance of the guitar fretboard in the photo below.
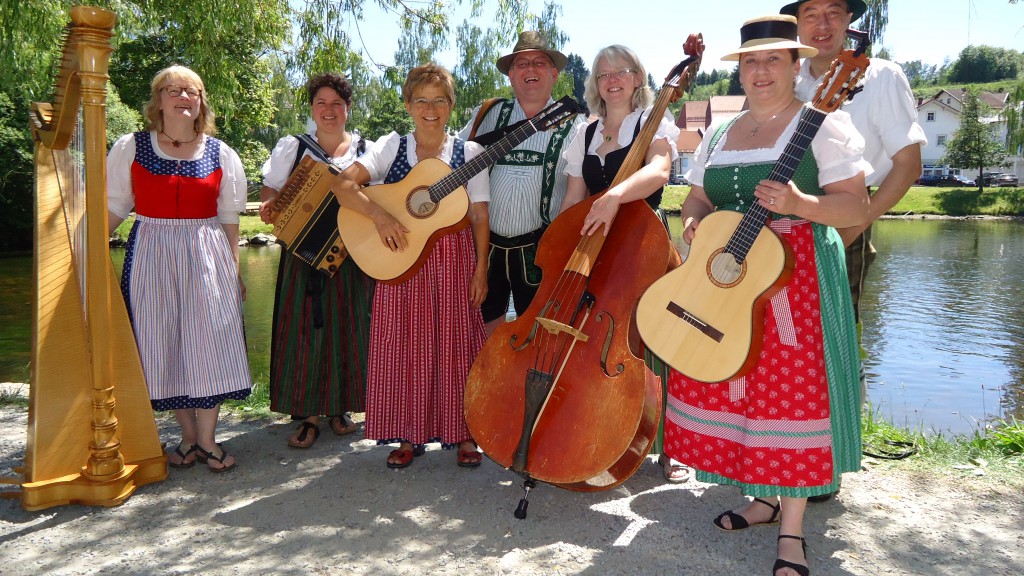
(491, 154)
(756, 218)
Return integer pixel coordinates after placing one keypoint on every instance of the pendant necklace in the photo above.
(774, 116)
(178, 143)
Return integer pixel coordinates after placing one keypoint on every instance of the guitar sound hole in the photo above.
(420, 204)
(723, 269)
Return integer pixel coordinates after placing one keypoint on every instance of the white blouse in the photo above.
(121, 199)
(574, 154)
(278, 167)
(382, 154)
(838, 150)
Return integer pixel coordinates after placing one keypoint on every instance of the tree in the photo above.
(985, 64)
(973, 144)
(735, 89)
(576, 68)
(476, 76)
(874, 19)
(1013, 114)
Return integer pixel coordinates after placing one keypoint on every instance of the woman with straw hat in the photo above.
(788, 428)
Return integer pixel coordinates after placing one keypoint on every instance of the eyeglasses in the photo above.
(539, 64)
(436, 102)
(620, 74)
(175, 91)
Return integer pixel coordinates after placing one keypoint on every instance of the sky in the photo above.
(930, 31)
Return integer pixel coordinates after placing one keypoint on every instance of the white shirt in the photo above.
(574, 154)
(516, 190)
(885, 113)
(278, 167)
(382, 154)
(837, 147)
(121, 198)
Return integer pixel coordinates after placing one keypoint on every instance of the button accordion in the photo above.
(305, 216)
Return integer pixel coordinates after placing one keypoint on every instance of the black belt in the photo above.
(517, 241)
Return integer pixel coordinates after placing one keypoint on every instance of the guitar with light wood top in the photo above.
(431, 201)
(706, 318)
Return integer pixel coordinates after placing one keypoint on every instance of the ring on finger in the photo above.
(771, 201)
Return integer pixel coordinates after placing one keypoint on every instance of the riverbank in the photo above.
(336, 509)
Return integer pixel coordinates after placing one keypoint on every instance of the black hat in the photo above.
(858, 7)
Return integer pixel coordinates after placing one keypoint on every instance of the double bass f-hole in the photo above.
(620, 367)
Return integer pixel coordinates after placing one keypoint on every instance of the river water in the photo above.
(943, 316)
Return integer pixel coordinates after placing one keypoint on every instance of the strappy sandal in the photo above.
(404, 456)
(342, 425)
(183, 465)
(740, 523)
(210, 457)
(798, 568)
(674, 472)
(304, 430)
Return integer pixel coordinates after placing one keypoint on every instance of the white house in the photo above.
(940, 118)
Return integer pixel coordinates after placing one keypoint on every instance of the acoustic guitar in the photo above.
(431, 201)
(705, 318)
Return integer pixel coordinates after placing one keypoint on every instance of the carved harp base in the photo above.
(78, 489)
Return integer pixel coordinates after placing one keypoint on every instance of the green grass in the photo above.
(920, 200)
(992, 453)
(248, 226)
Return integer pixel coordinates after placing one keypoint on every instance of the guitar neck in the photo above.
(755, 218)
(458, 177)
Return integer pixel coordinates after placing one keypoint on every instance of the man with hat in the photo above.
(528, 184)
(885, 113)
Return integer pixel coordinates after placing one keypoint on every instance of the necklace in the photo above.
(774, 116)
(607, 138)
(178, 143)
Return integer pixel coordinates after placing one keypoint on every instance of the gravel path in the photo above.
(336, 509)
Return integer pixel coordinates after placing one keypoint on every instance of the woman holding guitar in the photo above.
(786, 429)
(618, 92)
(426, 330)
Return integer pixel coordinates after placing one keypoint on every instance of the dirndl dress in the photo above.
(180, 282)
(791, 426)
(424, 336)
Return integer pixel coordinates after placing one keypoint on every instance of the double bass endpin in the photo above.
(528, 484)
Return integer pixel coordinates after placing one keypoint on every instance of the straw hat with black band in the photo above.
(531, 41)
(776, 32)
(858, 7)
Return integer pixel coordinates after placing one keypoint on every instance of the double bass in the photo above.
(558, 395)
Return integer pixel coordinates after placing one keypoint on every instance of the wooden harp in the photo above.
(92, 437)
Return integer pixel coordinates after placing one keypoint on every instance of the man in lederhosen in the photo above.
(528, 184)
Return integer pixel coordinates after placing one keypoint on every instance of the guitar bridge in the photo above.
(705, 328)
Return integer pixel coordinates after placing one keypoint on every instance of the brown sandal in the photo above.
(300, 441)
(342, 425)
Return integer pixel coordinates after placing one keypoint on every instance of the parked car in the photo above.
(946, 180)
(1003, 180)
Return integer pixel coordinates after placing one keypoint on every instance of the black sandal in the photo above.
(798, 568)
(209, 456)
(740, 523)
(183, 465)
